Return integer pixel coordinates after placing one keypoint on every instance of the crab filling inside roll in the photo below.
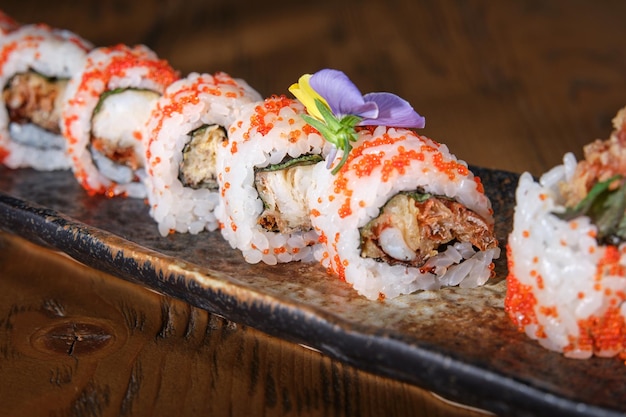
(597, 188)
(33, 104)
(282, 188)
(197, 168)
(414, 226)
(116, 132)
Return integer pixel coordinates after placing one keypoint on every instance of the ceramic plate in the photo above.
(455, 342)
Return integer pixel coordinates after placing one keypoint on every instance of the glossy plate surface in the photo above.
(455, 342)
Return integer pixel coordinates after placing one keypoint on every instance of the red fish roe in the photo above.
(372, 160)
(520, 301)
(173, 107)
(158, 70)
(607, 332)
(339, 267)
(371, 157)
(5, 54)
(225, 187)
(4, 153)
(271, 105)
(550, 311)
(610, 263)
(68, 121)
(115, 62)
(280, 249)
(400, 162)
(308, 129)
(345, 209)
(601, 334)
(479, 185)
(451, 168)
(384, 162)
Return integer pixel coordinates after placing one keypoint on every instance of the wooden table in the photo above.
(506, 85)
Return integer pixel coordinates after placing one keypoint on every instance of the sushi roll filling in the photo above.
(197, 167)
(115, 139)
(413, 227)
(282, 187)
(597, 188)
(33, 102)
(605, 205)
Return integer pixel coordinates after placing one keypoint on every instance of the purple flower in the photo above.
(344, 98)
(335, 106)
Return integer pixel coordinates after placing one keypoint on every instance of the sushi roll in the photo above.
(566, 284)
(36, 65)
(187, 125)
(104, 121)
(395, 212)
(7, 24)
(402, 214)
(263, 173)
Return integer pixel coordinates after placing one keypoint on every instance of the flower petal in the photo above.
(341, 94)
(306, 95)
(393, 111)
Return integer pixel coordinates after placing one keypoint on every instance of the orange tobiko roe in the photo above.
(362, 162)
(4, 153)
(271, 105)
(158, 70)
(520, 301)
(6, 53)
(605, 333)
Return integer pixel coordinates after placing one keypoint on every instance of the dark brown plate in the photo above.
(455, 342)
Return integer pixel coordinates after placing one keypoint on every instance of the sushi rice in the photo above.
(51, 54)
(384, 162)
(189, 104)
(129, 80)
(266, 133)
(564, 289)
(7, 24)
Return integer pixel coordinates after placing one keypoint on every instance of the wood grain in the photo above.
(78, 342)
(508, 85)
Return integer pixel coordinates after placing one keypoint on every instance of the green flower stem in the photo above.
(605, 205)
(338, 132)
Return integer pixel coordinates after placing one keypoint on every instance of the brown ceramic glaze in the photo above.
(455, 342)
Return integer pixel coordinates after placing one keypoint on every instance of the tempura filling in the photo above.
(34, 103)
(597, 188)
(605, 205)
(197, 168)
(413, 227)
(116, 136)
(282, 188)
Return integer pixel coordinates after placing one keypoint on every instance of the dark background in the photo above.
(506, 76)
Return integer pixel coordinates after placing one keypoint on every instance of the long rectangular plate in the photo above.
(455, 342)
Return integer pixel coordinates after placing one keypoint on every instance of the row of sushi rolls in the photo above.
(322, 174)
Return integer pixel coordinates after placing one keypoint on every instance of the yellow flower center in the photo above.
(303, 91)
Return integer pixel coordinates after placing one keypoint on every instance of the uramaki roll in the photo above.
(187, 125)
(36, 64)
(403, 214)
(566, 286)
(263, 172)
(7, 24)
(108, 105)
